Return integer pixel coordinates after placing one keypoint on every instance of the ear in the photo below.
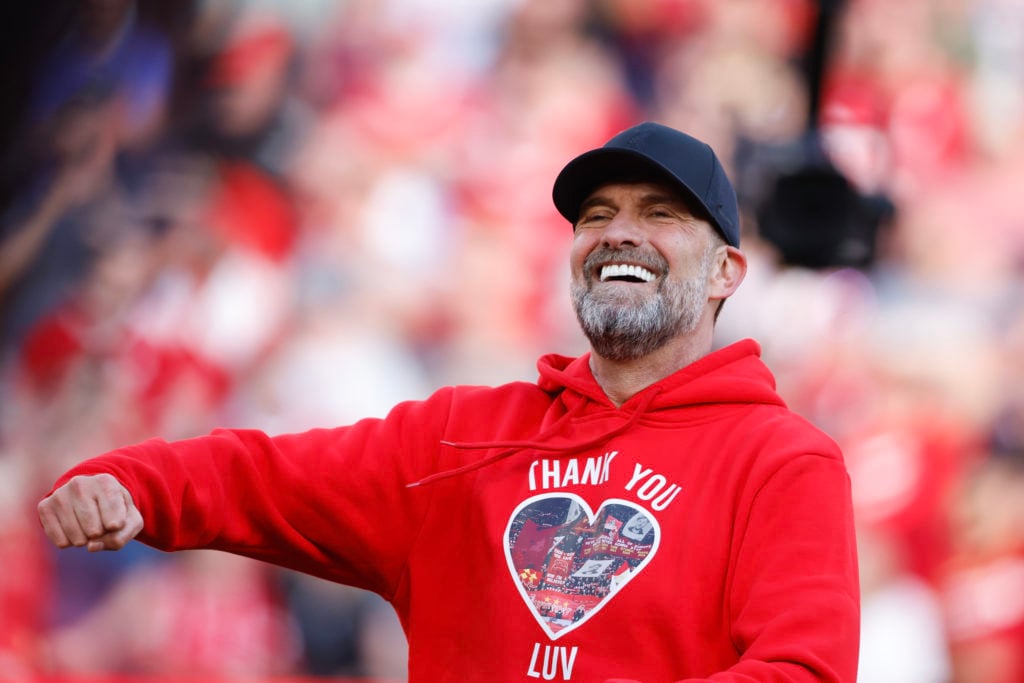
(727, 272)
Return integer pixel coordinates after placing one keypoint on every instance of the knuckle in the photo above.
(106, 483)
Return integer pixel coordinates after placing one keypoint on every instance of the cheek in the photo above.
(685, 257)
(581, 248)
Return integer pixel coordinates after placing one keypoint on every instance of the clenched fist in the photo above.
(94, 511)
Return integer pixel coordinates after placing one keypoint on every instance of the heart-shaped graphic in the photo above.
(568, 561)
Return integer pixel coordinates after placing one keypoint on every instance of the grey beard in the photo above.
(623, 330)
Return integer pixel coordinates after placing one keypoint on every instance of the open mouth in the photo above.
(621, 272)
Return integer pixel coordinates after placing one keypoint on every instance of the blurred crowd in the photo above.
(287, 214)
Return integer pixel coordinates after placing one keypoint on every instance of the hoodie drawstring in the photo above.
(537, 443)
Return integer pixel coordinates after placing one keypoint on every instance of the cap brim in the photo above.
(590, 170)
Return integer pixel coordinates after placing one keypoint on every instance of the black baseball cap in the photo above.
(651, 150)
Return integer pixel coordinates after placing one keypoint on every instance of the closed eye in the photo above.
(662, 213)
(593, 218)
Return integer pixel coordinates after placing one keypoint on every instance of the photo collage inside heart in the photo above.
(568, 561)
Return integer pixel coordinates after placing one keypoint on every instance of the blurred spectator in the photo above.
(206, 614)
(983, 579)
(244, 106)
(736, 77)
(996, 94)
(346, 631)
(983, 583)
(51, 233)
(109, 47)
(900, 614)
(25, 590)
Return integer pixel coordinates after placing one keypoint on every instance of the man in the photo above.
(658, 484)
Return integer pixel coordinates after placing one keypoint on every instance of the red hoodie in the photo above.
(537, 532)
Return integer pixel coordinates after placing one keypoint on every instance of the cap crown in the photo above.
(680, 160)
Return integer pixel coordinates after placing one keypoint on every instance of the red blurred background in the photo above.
(285, 215)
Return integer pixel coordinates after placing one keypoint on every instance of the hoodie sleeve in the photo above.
(330, 502)
(795, 596)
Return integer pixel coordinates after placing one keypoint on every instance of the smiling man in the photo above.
(655, 251)
(629, 299)
(650, 511)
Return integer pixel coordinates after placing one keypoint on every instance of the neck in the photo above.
(621, 380)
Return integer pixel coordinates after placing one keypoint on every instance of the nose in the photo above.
(622, 231)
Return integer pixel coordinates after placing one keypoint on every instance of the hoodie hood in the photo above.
(734, 374)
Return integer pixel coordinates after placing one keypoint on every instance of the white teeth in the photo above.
(622, 270)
